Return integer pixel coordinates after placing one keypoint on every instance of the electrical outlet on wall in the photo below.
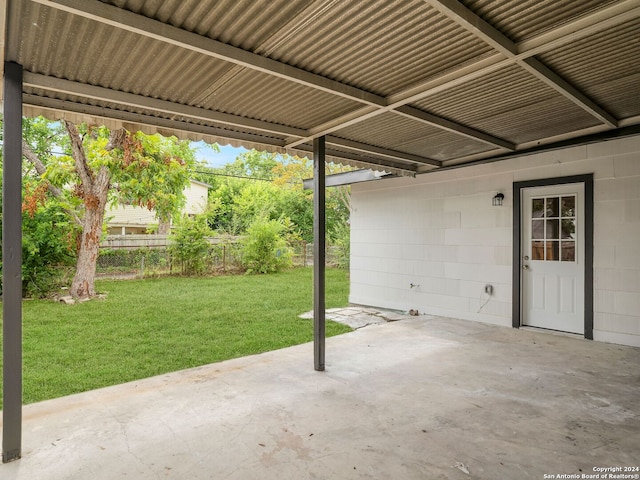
(488, 289)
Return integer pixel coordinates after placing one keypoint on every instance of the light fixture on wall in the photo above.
(497, 200)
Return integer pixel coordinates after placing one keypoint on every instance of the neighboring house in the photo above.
(568, 232)
(133, 220)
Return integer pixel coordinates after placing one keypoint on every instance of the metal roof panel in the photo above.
(523, 19)
(387, 129)
(506, 103)
(273, 99)
(442, 146)
(372, 72)
(387, 45)
(604, 66)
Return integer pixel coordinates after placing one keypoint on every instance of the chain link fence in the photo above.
(221, 258)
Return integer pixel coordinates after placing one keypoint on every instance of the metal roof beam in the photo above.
(453, 127)
(384, 158)
(141, 25)
(366, 161)
(351, 118)
(94, 111)
(198, 114)
(585, 136)
(603, 19)
(490, 35)
(382, 152)
(508, 53)
(139, 101)
(408, 112)
(564, 88)
(597, 21)
(449, 80)
(471, 22)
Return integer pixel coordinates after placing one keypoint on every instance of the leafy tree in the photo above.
(254, 163)
(154, 175)
(292, 170)
(296, 205)
(223, 196)
(100, 166)
(242, 201)
(291, 173)
(256, 200)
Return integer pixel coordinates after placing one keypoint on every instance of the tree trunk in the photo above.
(94, 191)
(164, 225)
(82, 285)
(95, 201)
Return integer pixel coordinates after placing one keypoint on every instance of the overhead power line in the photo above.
(216, 174)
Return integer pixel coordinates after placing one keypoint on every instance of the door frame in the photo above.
(587, 180)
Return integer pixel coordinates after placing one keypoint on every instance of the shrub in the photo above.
(264, 249)
(341, 239)
(48, 249)
(189, 245)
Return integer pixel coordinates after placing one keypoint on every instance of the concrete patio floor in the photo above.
(422, 398)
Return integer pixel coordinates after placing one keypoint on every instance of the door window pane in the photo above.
(537, 250)
(537, 229)
(553, 209)
(568, 206)
(568, 251)
(552, 250)
(553, 230)
(568, 228)
(537, 208)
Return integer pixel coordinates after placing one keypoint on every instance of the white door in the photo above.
(553, 257)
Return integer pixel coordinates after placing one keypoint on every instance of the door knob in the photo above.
(525, 267)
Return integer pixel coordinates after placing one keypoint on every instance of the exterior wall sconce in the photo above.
(497, 200)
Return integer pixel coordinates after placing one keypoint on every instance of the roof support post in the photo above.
(12, 264)
(319, 230)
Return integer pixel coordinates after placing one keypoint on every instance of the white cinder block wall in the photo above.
(440, 233)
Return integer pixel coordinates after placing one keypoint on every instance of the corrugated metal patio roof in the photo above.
(402, 85)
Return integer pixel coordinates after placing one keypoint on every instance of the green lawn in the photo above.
(149, 327)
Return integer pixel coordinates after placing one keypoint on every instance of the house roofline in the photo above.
(197, 182)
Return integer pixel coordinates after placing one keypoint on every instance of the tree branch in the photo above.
(79, 157)
(116, 139)
(30, 155)
(344, 195)
(101, 184)
(35, 161)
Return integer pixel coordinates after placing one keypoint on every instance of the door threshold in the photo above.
(552, 332)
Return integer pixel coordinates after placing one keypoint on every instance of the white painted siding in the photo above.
(130, 215)
(440, 231)
(196, 195)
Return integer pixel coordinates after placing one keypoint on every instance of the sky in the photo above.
(226, 155)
